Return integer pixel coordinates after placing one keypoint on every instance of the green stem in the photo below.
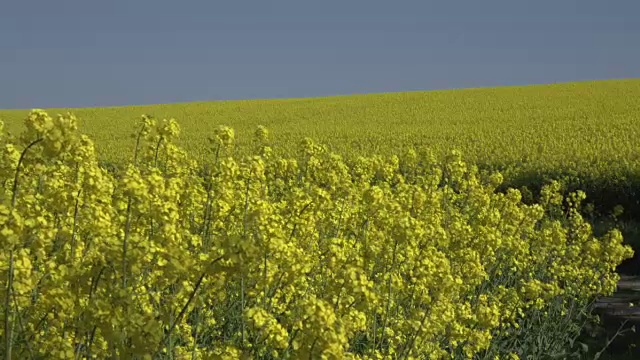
(8, 313)
(21, 325)
(155, 160)
(186, 305)
(386, 315)
(124, 244)
(135, 153)
(7, 310)
(244, 236)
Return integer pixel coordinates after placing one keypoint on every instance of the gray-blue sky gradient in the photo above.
(120, 52)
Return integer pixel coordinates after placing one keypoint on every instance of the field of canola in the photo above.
(264, 256)
(586, 131)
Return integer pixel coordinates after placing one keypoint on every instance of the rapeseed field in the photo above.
(588, 132)
(584, 126)
(362, 227)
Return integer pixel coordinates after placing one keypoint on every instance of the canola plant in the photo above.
(263, 256)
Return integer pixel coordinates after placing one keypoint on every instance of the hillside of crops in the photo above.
(267, 257)
(587, 132)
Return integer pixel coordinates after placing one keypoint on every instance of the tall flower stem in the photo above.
(8, 311)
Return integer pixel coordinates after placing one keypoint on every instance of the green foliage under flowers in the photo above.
(264, 256)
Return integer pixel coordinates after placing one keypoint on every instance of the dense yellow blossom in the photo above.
(261, 256)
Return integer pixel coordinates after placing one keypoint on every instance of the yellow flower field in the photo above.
(251, 254)
(587, 132)
(577, 125)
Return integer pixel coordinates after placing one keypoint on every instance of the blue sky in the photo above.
(103, 53)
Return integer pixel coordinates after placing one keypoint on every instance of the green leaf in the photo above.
(584, 347)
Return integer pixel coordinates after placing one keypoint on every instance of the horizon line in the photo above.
(269, 99)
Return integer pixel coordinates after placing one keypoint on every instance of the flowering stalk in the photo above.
(8, 313)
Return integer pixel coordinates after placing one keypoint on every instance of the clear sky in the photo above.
(121, 52)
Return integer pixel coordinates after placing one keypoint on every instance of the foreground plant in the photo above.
(272, 257)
